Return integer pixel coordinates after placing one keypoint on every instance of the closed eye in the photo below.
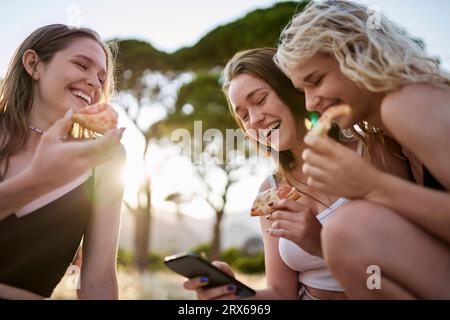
(316, 83)
(81, 66)
(261, 101)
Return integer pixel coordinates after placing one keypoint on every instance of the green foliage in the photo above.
(208, 104)
(137, 56)
(156, 261)
(202, 249)
(242, 262)
(259, 28)
(230, 255)
(250, 264)
(236, 258)
(124, 258)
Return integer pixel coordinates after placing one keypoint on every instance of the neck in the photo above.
(41, 116)
(298, 161)
(374, 118)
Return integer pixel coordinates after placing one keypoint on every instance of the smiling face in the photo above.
(263, 115)
(325, 86)
(73, 78)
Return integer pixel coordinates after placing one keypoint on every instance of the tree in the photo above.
(139, 64)
(207, 106)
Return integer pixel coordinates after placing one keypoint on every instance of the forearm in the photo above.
(11, 293)
(18, 191)
(107, 291)
(427, 208)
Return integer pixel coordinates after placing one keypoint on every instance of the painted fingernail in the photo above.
(231, 288)
(270, 204)
(204, 279)
(267, 217)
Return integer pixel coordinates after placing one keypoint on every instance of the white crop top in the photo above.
(312, 270)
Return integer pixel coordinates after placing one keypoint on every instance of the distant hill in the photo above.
(259, 28)
(171, 235)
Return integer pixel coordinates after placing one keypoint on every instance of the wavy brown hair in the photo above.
(16, 90)
(259, 63)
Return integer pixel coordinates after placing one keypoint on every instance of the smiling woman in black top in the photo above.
(57, 69)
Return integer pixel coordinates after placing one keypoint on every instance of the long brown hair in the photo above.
(259, 63)
(16, 90)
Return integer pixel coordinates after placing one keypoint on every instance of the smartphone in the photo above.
(191, 265)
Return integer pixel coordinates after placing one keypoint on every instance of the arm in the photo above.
(335, 170)
(425, 207)
(403, 114)
(98, 272)
(20, 190)
(69, 159)
(282, 281)
(12, 293)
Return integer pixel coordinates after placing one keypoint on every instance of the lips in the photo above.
(335, 103)
(82, 96)
(274, 126)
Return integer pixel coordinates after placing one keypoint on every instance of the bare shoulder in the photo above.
(418, 117)
(416, 112)
(423, 98)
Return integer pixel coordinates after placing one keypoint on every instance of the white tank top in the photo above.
(312, 270)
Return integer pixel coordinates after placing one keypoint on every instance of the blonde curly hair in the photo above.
(380, 58)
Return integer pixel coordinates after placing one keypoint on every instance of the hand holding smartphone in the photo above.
(191, 265)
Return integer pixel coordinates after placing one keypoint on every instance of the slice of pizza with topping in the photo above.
(261, 206)
(323, 125)
(99, 118)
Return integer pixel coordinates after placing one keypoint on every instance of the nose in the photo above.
(256, 116)
(311, 101)
(94, 82)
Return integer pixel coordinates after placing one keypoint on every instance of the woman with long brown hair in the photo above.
(58, 184)
(272, 113)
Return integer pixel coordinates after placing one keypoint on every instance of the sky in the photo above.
(172, 24)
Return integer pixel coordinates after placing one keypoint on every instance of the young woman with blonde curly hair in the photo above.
(333, 53)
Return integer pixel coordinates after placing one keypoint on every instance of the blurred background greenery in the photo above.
(144, 74)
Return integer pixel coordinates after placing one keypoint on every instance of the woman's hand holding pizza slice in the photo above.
(261, 205)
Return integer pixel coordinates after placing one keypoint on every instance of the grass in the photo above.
(158, 285)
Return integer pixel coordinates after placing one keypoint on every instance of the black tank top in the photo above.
(37, 249)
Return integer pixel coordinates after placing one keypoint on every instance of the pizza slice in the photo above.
(323, 125)
(99, 117)
(261, 206)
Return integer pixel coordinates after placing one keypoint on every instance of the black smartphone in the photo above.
(191, 265)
